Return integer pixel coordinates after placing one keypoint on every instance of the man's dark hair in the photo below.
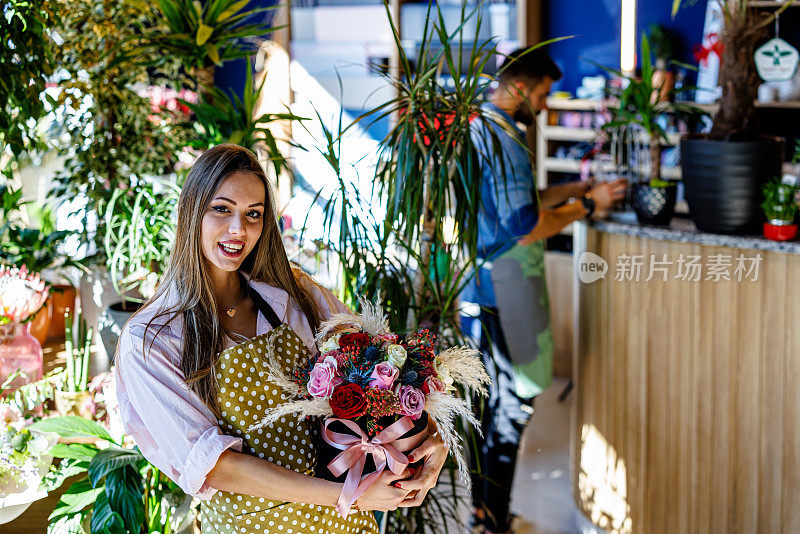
(531, 66)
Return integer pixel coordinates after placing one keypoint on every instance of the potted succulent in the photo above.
(139, 232)
(780, 208)
(638, 111)
(724, 170)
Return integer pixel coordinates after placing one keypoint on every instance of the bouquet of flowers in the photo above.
(376, 392)
(24, 460)
(21, 294)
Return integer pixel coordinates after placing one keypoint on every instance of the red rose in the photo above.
(357, 340)
(348, 401)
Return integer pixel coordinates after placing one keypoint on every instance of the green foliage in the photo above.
(429, 174)
(221, 117)
(27, 398)
(26, 61)
(115, 138)
(121, 491)
(208, 32)
(639, 104)
(37, 245)
(139, 233)
(780, 201)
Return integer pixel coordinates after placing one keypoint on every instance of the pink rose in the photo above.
(383, 376)
(412, 401)
(433, 385)
(323, 378)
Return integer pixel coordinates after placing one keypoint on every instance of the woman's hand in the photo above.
(384, 494)
(434, 454)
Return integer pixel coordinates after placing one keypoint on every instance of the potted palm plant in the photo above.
(724, 170)
(639, 108)
(780, 208)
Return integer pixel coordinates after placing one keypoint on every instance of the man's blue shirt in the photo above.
(509, 207)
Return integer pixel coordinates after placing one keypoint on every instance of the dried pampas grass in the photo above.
(372, 320)
(444, 409)
(465, 366)
(271, 365)
(300, 408)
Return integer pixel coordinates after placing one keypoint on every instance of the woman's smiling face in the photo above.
(233, 221)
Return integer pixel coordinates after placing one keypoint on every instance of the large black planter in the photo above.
(723, 179)
(654, 205)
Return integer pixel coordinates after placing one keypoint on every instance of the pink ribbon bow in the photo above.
(386, 451)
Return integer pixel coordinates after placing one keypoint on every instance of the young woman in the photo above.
(188, 393)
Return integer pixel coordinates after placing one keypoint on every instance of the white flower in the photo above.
(331, 344)
(396, 355)
(444, 375)
(38, 444)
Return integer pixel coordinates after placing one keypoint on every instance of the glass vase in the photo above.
(19, 350)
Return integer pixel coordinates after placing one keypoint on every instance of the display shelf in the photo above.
(574, 166)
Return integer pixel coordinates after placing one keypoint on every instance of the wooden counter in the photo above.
(687, 397)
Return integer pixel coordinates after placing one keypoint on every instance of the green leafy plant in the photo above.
(139, 232)
(35, 243)
(639, 106)
(121, 492)
(221, 117)
(780, 201)
(115, 138)
(206, 33)
(26, 61)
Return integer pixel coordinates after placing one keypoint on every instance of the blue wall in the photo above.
(596, 27)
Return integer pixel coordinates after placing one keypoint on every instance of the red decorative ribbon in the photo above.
(702, 52)
(386, 450)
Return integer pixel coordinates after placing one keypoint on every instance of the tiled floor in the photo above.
(541, 496)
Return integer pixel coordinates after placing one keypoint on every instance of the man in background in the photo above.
(506, 309)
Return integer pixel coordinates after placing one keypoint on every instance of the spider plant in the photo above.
(140, 230)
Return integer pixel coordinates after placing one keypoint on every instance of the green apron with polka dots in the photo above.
(245, 394)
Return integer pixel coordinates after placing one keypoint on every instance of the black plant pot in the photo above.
(654, 205)
(326, 453)
(723, 180)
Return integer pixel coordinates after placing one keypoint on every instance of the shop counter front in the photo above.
(687, 375)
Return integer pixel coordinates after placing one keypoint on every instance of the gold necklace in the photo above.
(232, 310)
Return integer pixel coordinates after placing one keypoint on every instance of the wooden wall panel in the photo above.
(686, 398)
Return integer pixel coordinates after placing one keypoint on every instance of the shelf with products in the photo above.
(574, 121)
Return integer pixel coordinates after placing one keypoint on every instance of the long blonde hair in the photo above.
(188, 276)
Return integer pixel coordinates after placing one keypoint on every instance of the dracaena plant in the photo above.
(121, 491)
(743, 28)
(205, 33)
(639, 105)
(428, 178)
(429, 170)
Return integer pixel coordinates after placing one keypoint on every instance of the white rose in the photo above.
(396, 355)
(444, 375)
(331, 344)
